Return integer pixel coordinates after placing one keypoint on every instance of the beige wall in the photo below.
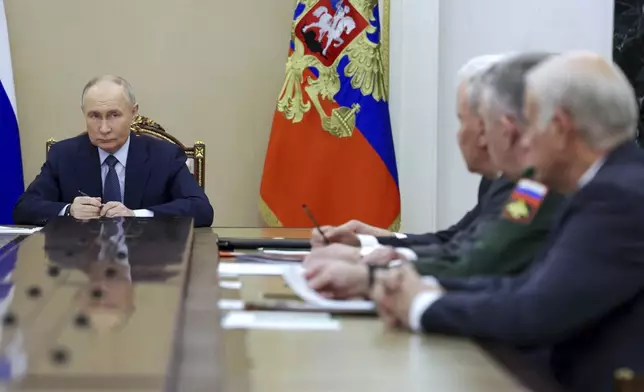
(206, 70)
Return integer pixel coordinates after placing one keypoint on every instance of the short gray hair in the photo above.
(594, 91)
(473, 69)
(503, 84)
(119, 81)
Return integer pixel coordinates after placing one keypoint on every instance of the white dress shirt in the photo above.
(121, 156)
(424, 300)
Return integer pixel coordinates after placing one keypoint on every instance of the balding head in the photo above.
(128, 91)
(578, 107)
(109, 107)
(595, 94)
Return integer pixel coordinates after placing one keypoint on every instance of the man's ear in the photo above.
(135, 110)
(563, 127)
(511, 131)
(481, 141)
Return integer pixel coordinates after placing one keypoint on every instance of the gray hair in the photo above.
(595, 93)
(473, 69)
(502, 86)
(119, 81)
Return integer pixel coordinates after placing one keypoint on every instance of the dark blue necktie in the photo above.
(111, 188)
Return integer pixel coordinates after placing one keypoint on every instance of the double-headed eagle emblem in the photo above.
(325, 32)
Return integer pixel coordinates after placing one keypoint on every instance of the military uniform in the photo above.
(506, 245)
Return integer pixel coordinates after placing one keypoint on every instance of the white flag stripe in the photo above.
(533, 186)
(6, 75)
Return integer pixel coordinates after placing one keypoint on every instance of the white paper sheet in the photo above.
(18, 230)
(231, 304)
(287, 252)
(294, 277)
(230, 284)
(238, 269)
(279, 320)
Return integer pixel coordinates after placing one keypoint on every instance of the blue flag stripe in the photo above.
(11, 180)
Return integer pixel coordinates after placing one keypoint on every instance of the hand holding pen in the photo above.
(85, 206)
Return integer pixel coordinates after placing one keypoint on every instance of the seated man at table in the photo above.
(109, 171)
(493, 191)
(584, 296)
(505, 246)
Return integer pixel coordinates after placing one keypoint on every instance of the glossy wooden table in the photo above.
(363, 355)
(172, 339)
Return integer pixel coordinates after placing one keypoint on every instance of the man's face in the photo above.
(108, 115)
(502, 135)
(545, 148)
(471, 139)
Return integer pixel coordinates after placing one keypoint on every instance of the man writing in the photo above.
(111, 172)
(493, 192)
(584, 296)
(505, 246)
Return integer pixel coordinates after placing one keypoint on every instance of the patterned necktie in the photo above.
(111, 188)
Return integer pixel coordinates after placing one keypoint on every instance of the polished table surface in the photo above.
(363, 355)
(157, 326)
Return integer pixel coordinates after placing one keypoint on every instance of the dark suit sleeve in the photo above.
(505, 247)
(188, 199)
(442, 236)
(41, 201)
(594, 266)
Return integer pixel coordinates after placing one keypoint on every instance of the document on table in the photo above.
(294, 277)
(239, 269)
(279, 320)
(18, 230)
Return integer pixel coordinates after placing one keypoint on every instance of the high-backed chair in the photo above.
(627, 381)
(196, 154)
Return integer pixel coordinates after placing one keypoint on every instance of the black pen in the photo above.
(306, 209)
(86, 195)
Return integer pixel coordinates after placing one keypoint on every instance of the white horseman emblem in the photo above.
(332, 27)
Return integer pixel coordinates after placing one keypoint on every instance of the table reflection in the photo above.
(114, 255)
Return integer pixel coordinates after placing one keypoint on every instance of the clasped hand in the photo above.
(85, 207)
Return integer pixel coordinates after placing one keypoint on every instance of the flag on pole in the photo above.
(11, 178)
(331, 145)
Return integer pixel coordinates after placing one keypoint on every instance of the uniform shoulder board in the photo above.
(525, 201)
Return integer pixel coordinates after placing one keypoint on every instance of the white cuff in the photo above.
(366, 250)
(430, 281)
(419, 305)
(400, 235)
(143, 213)
(368, 241)
(407, 253)
(62, 212)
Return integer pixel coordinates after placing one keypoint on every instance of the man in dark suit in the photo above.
(583, 299)
(494, 188)
(109, 171)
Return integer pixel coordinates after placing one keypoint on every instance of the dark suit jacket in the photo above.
(583, 297)
(453, 243)
(156, 178)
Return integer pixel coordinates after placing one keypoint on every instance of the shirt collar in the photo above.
(121, 154)
(591, 172)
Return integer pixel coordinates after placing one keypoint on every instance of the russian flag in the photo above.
(331, 145)
(11, 177)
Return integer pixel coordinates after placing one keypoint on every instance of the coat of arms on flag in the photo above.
(331, 145)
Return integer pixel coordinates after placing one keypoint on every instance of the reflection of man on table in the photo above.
(109, 297)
